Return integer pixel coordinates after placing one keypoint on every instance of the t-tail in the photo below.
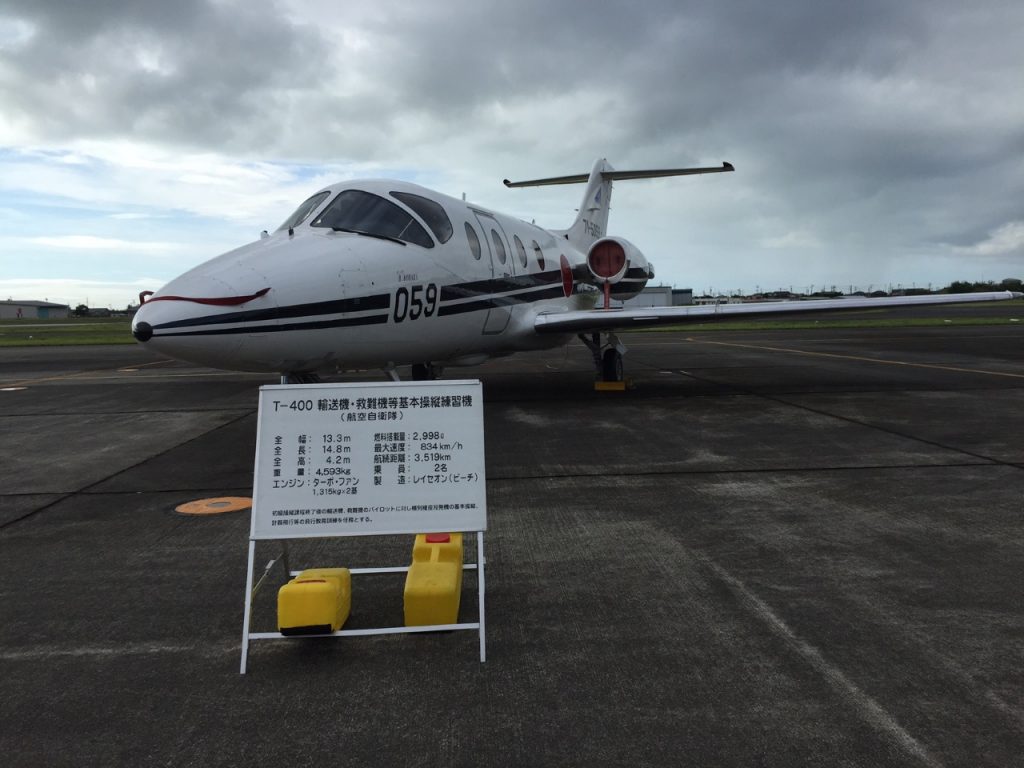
(591, 222)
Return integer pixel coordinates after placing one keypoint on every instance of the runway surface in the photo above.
(780, 548)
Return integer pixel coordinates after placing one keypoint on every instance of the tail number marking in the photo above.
(416, 302)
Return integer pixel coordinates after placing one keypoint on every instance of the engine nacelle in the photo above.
(619, 263)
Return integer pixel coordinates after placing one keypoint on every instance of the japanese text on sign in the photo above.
(351, 459)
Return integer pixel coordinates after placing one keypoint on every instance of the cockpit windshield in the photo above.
(303, 211)
(430, 211)
(356, 211)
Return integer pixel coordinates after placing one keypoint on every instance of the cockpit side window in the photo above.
(303, 211)
(430, 211)
(499, 247)
(474, 241)
(363, 213)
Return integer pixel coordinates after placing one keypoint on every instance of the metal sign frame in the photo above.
(250, 591)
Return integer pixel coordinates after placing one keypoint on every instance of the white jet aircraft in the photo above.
(378, 274)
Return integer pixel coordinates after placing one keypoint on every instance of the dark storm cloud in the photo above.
(185, 72)
(872, 126)
(660, 58)
(874, 92)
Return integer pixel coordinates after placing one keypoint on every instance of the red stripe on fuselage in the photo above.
(225, 301)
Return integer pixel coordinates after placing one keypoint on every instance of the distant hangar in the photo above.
(36, 310)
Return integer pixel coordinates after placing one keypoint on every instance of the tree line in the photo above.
(965, 286)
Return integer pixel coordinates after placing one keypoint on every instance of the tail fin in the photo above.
(591, 222)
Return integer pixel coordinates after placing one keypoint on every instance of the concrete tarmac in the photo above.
(781, 548)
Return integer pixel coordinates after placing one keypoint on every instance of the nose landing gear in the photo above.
(425, 372)
(300, 378)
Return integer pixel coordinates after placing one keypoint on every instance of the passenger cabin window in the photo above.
(474, 241)
(303, 211)
(499, 247)
(356, 211)
(520, 250)
(430, 211)
(539, 254)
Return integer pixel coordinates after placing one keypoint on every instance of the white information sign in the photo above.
(359, 459)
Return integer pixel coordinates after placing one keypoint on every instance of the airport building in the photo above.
(658, 296)
(36, 310)
(719, 300)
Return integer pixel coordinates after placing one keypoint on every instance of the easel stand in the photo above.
(251, 589)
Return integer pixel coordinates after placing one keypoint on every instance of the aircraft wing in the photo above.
(594, 320)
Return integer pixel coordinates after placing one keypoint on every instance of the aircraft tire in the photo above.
(611, 365)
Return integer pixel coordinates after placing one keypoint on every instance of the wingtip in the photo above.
(506, 182)
(727, 166)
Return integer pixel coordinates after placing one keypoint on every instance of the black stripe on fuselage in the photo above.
(529, 288)
(334, 307)
(532, 287)
(491, 302)
(480, 288)
(342, 322)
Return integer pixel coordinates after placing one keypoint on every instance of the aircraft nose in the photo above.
(142, 331)
(204, 318)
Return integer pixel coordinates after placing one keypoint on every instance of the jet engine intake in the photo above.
(617, 263)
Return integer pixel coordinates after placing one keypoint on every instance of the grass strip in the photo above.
(65, 332)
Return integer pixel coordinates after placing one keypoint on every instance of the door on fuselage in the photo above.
(502, 266)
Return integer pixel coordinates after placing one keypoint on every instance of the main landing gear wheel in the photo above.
(607, 356)
(611, 365)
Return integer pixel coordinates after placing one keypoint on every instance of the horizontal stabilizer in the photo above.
(609, 175)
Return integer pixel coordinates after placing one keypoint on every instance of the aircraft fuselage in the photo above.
(446, 293)
(377, 274)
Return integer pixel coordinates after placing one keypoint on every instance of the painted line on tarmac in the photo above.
(858, 358)
(85, 376)
(87, 488)
(78, 374)
(826, 339)
(200, 375)
(133, 368)
(42, 653)
(29, 382)
(869, 709)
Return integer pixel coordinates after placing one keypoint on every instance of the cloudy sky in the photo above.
(875, 142)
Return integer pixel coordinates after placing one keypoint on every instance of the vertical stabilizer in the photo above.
(591, 222)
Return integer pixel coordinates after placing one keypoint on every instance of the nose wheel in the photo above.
(299, 377)
(424, 372)
(607, 354)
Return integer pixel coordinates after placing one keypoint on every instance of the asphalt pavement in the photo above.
(779, 548)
